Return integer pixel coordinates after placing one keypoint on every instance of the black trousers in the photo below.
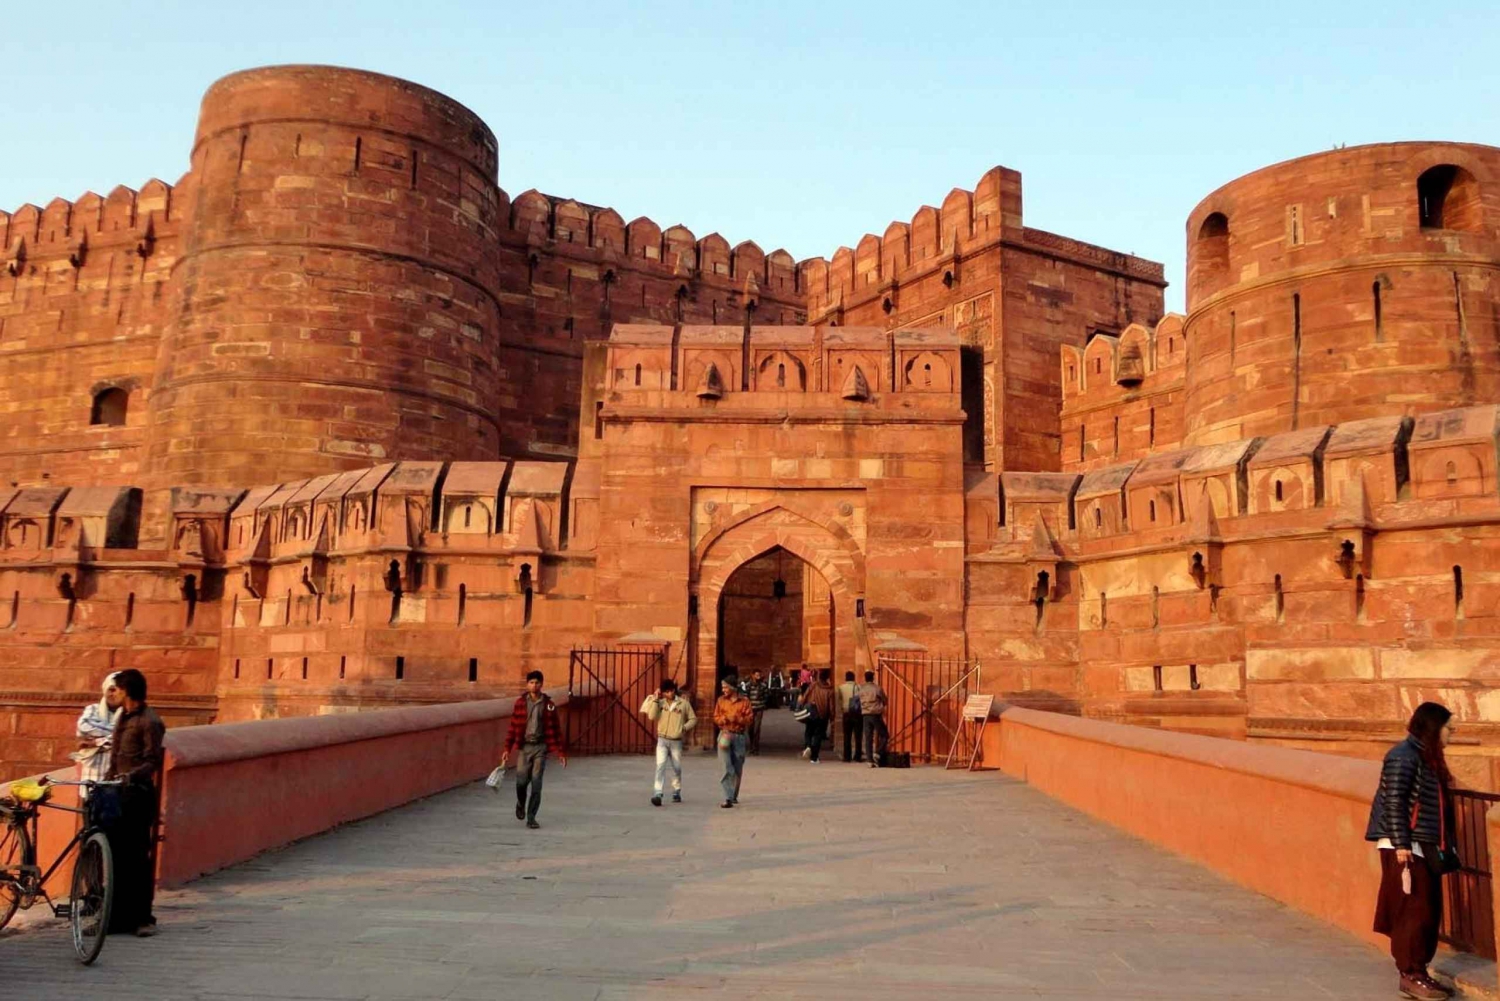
(853, 736)
(813, 736)
(132, 842)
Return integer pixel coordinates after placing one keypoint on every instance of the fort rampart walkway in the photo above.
(831, 881)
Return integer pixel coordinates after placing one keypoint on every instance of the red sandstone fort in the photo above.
(335, 422)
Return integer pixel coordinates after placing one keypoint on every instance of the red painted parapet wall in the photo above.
(1289, 824)
(234, 790)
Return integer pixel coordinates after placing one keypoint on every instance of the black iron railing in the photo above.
(1468, 894)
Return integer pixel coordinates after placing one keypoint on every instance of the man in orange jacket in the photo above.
(733, 715)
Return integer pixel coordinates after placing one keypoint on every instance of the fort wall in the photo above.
(399, 584)
(82, 295)
(358, 289)
(1308, 588)
(1014, 294)
(337, 423)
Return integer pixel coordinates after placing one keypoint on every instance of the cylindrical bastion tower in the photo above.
(1348, 284)
(334, 304)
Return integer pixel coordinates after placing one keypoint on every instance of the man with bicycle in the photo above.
(136, 762)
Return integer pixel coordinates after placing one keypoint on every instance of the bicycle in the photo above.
(22, 881)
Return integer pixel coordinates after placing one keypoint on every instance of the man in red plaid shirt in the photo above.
(534, 730)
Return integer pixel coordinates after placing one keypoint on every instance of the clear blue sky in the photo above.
(798, 125)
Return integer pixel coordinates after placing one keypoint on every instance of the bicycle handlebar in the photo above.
(44, 780)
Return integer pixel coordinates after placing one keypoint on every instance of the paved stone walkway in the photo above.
(830, 881)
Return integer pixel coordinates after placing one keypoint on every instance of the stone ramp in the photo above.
(830, 881)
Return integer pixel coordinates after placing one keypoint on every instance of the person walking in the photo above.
(534, 732)
(733, 717)
(850, 717)
(674, 719)
(820, 701)
(136, 761)
(96, 730)
(872, 718)
(757, 692)
(1411, 823)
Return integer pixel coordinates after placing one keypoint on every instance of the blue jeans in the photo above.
(732, 758)
(876, 737)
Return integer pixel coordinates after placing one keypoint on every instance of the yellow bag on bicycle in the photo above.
(28, 791)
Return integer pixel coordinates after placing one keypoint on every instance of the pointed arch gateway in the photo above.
(836, 561)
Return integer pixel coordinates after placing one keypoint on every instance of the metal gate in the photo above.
(925, 697)
(606, 687)
(1468, 912)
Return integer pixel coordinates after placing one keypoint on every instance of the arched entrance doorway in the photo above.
(776, 615)
(813, 552)
(775, 612)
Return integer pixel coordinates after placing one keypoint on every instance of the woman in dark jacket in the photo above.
(1411, 823)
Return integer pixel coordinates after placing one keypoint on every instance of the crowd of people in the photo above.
(853, 709)
(858, 710)
(739, 711)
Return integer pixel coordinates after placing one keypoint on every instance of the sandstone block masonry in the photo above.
(335, 422)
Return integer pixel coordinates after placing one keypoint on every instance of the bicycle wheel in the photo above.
(15, 851)
(93, 897)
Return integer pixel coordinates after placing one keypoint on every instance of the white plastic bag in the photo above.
(496, 777)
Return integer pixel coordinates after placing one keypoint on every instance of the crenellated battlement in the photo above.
(934, 238)
(326, 583)
(799, 365)
(501, 507)
(68, 228)
(564, 226)
(1391, 472)
(1110, 368)
(1122, 394)
(938, 240)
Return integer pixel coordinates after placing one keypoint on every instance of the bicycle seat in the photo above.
(29, 791)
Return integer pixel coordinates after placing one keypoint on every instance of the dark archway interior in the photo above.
(775, 616)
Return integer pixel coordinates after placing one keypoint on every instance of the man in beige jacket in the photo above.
(674, 719)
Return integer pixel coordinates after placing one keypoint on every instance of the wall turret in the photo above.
(335, 303)
(1344, 285)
